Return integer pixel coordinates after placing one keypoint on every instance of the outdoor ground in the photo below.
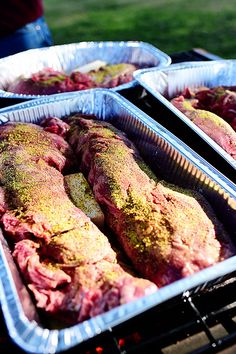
(170, 25)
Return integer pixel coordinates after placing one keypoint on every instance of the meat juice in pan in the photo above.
(69, 264)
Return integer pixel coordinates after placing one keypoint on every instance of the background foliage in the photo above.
(170, 25)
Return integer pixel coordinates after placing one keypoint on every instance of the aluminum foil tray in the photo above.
(70, 56)
(166, 83)
(169, 158)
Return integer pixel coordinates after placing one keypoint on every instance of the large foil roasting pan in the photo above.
(68, 57)
(171, 160)
(164, 84)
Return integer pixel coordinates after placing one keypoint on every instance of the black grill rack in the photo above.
(195, 54)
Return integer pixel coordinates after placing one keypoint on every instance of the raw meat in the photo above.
(166, 231)
(220, 100)
(56, 246)
(113, 75)
(213, 125)
(80, 292)
(82, 196)
(49, 81)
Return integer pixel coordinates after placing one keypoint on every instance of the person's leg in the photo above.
(33, 35)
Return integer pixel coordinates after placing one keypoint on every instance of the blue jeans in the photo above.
(32, 35)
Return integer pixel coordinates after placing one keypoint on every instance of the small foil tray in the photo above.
(164, 84)
(171, 160)
(68, 57)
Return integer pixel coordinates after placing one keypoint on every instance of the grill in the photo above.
(200, 322)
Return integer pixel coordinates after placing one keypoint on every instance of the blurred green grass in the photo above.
(170, 25)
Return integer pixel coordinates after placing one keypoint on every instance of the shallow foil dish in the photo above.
(68, 57)
(171, 160)
(164, 84)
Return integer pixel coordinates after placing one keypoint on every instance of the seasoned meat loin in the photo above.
(167, 232)
(74, 294)
(213, 125)
(49, 81)
(113, 75)
(82, 196)
(32, 185)
(220, 100)
(53, 239)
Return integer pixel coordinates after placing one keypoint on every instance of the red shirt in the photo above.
(17, 13)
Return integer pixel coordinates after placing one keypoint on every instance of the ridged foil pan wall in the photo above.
(68, 57)
(166, 83)
(170, 159)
